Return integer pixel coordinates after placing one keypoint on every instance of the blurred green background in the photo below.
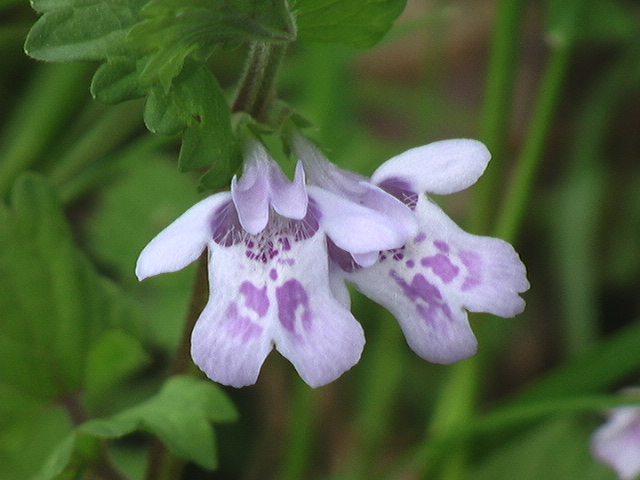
(428, 80)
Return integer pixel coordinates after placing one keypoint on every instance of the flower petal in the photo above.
(441, 167)
(617, 442)
(182, 242)
(280, 297)
(251, 194)
(231, 338)
(351, 186)
(289, 199)
(443, 270)
(317, 334)
(353, 227)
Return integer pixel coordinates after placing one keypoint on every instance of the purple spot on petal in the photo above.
(427, 298)
(225, 225)
(421, 237)
(442, 246)
(441, 266)
(241, 326)
(273, 274)
(286, 261)
(308, 226)
(410, 264)
(255, 298)
(343, 258)
(473, 262)
(293, 306)
(286, 243)
(401, 190)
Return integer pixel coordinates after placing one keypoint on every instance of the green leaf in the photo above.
(176, 29)
(360, 23)
(180, 414)
(28, 437)
(54, 305)
(556, 450)
(114, 356)
(82, 29)
(196, 105)
(117, 81)
(201, 105)
(161, 113)
(603, 366)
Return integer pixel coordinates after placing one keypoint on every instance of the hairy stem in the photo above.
(257, 91)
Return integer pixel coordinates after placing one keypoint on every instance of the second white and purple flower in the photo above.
(280, 252)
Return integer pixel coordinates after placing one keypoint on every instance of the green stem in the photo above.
(519, 193)
(497, 109)
(256, 93)
(300, 440)
(45, 106)
(580, 202)
(515, 417)
(456, 404)
(457, 401)
(384, 364)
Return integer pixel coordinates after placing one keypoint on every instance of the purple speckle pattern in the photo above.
(440, 245)
(241, 326)
(255, 298)
(269, 244)
(426, 269)
(271, 249)
(293, 307)
(427, 299)
(473, 263)
(421, 237)
(441, 266)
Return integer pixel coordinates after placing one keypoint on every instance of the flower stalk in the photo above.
(257, 92)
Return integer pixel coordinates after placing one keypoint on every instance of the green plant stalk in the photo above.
(460, 395)
(300, 437)
(384, 362)
(457, 400)
(41, 113)
(519, 194)
(256, 93)
(513, 417)
(580, 204)
(496, 110)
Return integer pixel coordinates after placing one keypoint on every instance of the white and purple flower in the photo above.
(617, 442)
(430, 282)
(280, 252)
(269, 270)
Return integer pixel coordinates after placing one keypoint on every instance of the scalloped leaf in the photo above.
(360, 23)
(181, 415)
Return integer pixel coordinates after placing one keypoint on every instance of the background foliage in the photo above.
(88, 382)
